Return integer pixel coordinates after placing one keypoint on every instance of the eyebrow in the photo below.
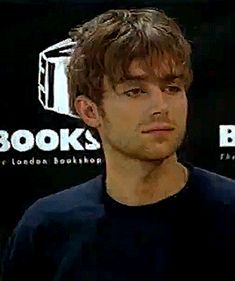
(137, 78)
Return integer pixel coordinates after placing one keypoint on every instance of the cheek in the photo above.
(182, 106)
(120, 110)
(180, 112)
(116, 115)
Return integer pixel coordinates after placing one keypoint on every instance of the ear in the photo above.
(87, 110)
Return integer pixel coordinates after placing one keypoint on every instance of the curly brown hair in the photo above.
(108, 43)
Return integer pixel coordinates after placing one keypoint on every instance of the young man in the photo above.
(148, 216)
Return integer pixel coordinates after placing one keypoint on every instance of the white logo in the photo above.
(227, 135)
(52, 78)
(53, 95)
(47, 140)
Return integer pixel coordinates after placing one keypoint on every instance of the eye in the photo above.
(134, 92)
(172, 89)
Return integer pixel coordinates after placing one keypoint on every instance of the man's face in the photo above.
(137, 106)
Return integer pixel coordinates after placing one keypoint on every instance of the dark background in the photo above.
(28, 27)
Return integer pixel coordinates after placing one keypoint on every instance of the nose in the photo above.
(158, 101)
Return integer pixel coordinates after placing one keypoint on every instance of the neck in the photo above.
(134, 182)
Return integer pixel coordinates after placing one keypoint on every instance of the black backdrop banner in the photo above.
(43, 149)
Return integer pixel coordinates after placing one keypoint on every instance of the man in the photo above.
(148, 216)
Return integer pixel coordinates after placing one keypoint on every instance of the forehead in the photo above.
(140, 70)
(138, 67)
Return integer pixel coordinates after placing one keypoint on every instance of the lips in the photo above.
(160, 127)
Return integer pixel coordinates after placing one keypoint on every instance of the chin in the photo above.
(155, 155)
(159, 153)
(159, 157)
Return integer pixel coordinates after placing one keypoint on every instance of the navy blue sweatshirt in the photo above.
(83, 234)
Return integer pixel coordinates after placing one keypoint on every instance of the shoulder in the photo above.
(78, 201)
(215, 199)
(48, 225)
(215, 194)
(214, 186)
